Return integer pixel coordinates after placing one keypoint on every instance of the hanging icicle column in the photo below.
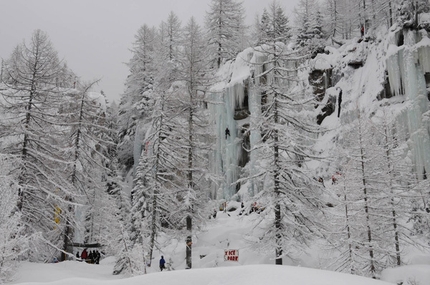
(407, 65)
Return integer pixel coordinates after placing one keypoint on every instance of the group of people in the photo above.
(92, 257)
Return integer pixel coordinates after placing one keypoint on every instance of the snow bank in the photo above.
(408, 275)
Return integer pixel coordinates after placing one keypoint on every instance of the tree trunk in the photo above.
(278, 216)
(189, 240)
(153, 223)
(366, 202)
(390, 10)
(189, 244)
(68, 232)
(393, 211)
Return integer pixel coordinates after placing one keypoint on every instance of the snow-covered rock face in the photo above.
(358, 77)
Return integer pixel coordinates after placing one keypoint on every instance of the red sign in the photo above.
(231, 254)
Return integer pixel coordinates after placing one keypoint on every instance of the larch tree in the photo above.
(332, 17)
(168, 186)
(172, 36)
(343, 217)
(153, 181)
(13, 244)
(154, 176)
(225, 25)
(136, 99)
(32, 132)
(339, 17)
(87, 152)
(117, 210)
(399, 190)
(285, 148)
(194, 138)
(374, 197)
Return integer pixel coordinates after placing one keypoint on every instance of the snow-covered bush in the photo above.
(12, 242)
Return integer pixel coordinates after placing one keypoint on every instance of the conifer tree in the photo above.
(195, 75)
(88, 150)
(13, 243)
(136, 99)
(309, 23)
(274, 25)
(376, 191)
(399, 190)
(154, 183)
(225, 25)
(172, 36)
(285, 148)
(33, 132)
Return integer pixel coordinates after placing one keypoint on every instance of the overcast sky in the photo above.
(94, 36)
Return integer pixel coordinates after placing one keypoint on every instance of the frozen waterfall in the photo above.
(408, 66)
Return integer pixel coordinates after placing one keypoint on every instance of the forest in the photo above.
(224, 112)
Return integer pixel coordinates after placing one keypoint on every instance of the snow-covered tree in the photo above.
(284, 150)
(195, 75)
(167, 189)
(172, 36)
(409, 10)
(150, 147)
(375, 191)
(340, 18)
(225, 25)
(13, 244)
(136, 99)
(87, 147)
(274, 25)
(309, 26)
(31, 131)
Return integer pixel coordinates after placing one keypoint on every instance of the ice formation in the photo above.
(408, 67)
(234, 105)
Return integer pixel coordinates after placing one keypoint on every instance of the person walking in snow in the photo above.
(162, 263)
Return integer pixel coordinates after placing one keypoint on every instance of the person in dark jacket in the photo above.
(227, 133)
(91, 257)
(162, 263)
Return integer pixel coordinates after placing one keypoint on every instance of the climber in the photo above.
(227, 132)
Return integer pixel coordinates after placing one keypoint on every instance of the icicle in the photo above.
(415, 90)
(394, 68)
(237, 95)
(423, 54)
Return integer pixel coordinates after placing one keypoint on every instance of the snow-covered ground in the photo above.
(225, 232)
(73, 273)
